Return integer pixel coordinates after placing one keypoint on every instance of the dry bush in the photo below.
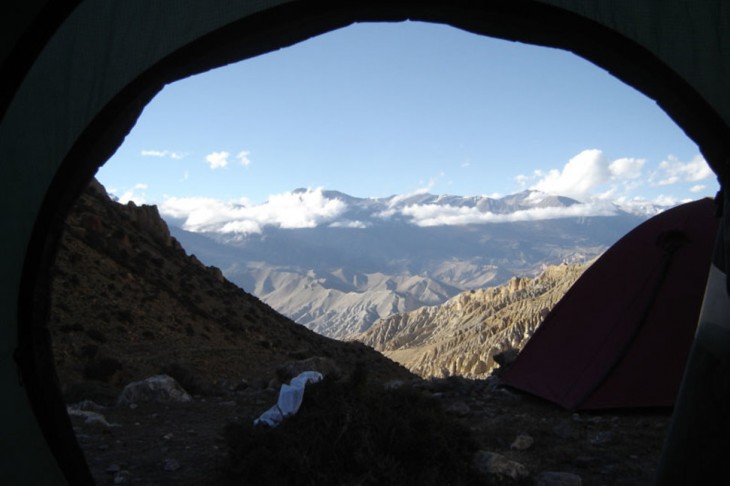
(354, 433)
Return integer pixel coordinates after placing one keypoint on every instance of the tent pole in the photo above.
(698, 441)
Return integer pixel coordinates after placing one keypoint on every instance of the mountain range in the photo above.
(374, 257)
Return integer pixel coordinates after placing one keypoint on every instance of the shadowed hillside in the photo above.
(127, 302)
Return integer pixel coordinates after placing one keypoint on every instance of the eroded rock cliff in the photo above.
(462, 336)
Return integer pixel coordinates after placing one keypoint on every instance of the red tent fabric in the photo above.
(621, 335)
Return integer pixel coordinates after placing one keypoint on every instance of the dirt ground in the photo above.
(182, 443)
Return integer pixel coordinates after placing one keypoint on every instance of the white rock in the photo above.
(499, 467)
(522, 442)
(158, 388)
(122, 477)
(90, 418)
(460, 409)
(86, 405)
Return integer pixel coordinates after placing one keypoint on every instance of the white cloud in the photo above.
(162, 153)
(522, 180)
(438, 215)
(243, 158)
(386, 214)
(217, 160)
(669, 201)
(579, 176)
(649, 207)
(607, 195)
(198, 211)
(590, 176)
(395, 200)
(135, 194)
(626, 168)
(638, 205)
(306, 209)
(154, 153)
(672, 171)
(349, 224)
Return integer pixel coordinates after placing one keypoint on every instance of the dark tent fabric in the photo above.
(621, 335)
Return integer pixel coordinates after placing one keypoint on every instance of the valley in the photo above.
(379, 257)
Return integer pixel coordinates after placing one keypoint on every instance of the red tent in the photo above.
(621, 335)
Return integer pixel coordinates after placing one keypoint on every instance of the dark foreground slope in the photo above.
(127, 303)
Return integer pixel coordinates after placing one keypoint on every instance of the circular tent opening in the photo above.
(188, 42)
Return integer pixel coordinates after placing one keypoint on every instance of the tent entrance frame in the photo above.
(526, 21)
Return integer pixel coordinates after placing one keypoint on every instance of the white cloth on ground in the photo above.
(290, 399)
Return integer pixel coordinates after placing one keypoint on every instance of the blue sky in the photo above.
(374, 110)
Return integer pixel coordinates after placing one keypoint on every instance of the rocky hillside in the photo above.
(462, 336)
(128, 302)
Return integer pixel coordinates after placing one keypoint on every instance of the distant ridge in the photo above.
(462, 336)
(373, 257)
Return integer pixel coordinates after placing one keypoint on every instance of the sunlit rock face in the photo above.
(462, 336)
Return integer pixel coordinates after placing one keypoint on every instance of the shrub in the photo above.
(125, 315)
(353, 433)
(186, 377)
(89, 351)
(101, 368)
(96, 335)
(101, 393)
(71, 328)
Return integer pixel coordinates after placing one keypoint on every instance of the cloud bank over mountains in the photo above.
(597, 186)
(435, 215)
(302, 209)
(311, 208)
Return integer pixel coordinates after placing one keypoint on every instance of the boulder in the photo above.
(90, 418)
(147, 218)
(88, 410)
(522, 442)
(459, 409)
(158, 388)
(498, 467)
